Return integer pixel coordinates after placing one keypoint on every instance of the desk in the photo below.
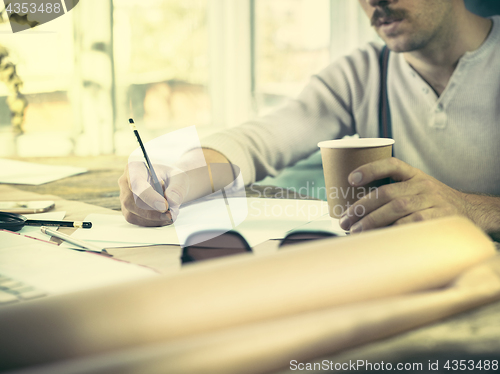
(469, 336)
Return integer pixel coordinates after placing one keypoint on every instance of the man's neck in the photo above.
(437, 62)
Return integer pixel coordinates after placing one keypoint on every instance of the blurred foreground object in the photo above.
(247, 313)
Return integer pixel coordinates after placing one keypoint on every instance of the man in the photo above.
(444, 91)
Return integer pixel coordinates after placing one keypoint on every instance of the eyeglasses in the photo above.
(211, 244)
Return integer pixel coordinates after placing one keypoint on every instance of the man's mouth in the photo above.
(386, 21)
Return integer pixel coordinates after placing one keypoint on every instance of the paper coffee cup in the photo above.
(340, 158)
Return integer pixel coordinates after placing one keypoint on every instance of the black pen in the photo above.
(75, 224)
(156, 184)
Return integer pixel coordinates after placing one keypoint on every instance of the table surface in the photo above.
(99, 186)
(474, 335)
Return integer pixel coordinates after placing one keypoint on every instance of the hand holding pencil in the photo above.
(151, 194)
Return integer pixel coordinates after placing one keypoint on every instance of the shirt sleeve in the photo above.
(322, 111)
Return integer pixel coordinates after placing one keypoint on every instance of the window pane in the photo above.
(161, 59)
(44, 60)
(292, 42)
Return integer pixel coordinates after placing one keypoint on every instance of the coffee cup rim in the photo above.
(356, 143)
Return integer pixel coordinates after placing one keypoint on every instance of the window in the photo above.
(295, 39)
(292, 42)
(162, 65)
(44, 61)
(168, 64)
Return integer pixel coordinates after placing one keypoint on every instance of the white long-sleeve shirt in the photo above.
(454, 137)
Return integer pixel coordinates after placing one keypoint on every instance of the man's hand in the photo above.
(141, 204)
(415, 197)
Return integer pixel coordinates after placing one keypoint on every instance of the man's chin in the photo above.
(399, 44)
(397, 40)
(396, 47)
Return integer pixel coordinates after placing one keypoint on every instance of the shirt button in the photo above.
(425, 90)
(439, 108)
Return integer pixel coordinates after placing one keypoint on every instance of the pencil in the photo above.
(156, 184)
(74, 241)
(76, 224)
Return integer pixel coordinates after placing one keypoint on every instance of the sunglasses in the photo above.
(211, 244)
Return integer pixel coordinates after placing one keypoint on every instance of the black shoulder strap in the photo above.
(384, 114)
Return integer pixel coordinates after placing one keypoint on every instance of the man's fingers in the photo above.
(142, 221)
(149, 199)
(177, 189)
(391, 212)
(381, 169)
(133, 213)
(133, 205)
(145, 196)
(421, 215)
(399, 199)
(135, 210)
